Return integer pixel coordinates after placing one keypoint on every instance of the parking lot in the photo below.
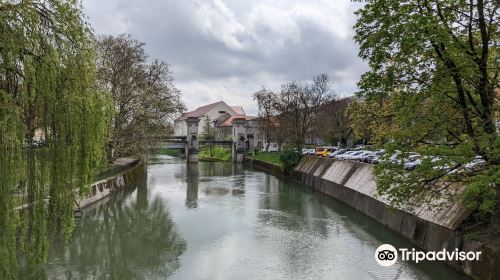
(409, 160)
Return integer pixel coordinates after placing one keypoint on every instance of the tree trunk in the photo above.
(486, 92)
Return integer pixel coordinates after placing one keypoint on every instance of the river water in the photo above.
(217, 220)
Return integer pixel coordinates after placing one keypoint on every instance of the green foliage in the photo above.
(144, 96)
(430, 89)
(290, 159)
(47, 90)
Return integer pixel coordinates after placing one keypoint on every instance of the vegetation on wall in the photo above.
(289, 159)
(431, 89)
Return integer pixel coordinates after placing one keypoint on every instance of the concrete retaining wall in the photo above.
(105, 187)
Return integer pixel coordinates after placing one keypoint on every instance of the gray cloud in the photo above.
(221, 49)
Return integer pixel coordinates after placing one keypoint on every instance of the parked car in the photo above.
(353, 156)
(338, 153)
(344, 155)
(478, 163)
(308, 152)
(448, 168)
(324, 151)
(394, 158)
(361, 156)
(412, 161)
(367, 156)
(375, 156)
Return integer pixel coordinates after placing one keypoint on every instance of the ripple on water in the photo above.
(224, 222)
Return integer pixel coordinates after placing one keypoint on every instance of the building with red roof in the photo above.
(222, 116)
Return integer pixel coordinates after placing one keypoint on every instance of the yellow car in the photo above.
(324, 151)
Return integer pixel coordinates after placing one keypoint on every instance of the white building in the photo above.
(222, 116)
(212, 111)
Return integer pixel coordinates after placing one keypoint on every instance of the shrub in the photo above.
(290, 159)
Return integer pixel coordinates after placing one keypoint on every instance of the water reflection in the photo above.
(219, 179)
(224, 221)
(192, 180)
(123, 238)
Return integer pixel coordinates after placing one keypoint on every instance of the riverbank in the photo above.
(432, 230)
(130, 170)
(120, 173)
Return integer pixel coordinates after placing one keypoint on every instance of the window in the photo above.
(222, 112)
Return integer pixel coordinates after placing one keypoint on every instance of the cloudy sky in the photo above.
(227, 49)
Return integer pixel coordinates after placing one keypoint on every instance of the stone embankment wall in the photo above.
(430, 228)
(101, 189)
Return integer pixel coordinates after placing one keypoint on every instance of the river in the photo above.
(217, 220)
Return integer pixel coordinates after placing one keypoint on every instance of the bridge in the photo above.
(189, 144)
(173, 142)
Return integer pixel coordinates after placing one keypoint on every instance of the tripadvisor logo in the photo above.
(387, 255)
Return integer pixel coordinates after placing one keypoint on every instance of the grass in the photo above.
(273, 158)
(219, 153)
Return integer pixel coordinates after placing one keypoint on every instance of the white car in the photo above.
(476, 164)
(412, 161)
(308, 152)
(361, 156)
(345, 155)
(367, 156)
(354, 155)
(337, 153)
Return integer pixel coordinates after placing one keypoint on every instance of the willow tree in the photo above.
(53, 124)
(431, 89)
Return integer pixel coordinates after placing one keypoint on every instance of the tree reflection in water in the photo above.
(122, 239)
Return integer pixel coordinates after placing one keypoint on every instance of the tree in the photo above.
(297, 106)
(334, 121)
(209, 134)
(47, 93)
(434, 66)
(266, 101)
(144, 95)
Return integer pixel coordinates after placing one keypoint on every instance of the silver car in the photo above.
(354, 155)
(362, 156)
(345, 155)
(478, 163)
(412, 161)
